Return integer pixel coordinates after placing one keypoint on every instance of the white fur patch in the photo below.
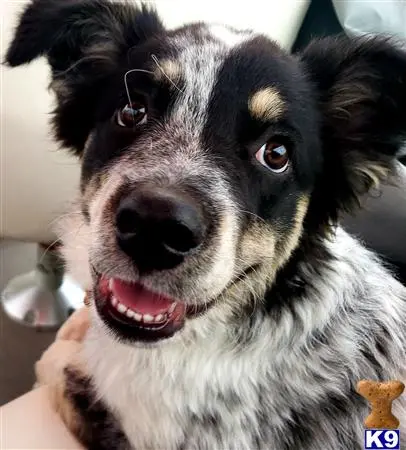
(200, 64)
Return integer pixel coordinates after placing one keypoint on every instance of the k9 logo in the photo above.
(381, 439)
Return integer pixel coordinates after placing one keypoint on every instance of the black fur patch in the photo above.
(99, 429)
(296, 279)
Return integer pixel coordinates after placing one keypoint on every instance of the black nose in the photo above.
(158, 227)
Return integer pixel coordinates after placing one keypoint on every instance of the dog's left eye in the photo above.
(274, 156)
(131, 115)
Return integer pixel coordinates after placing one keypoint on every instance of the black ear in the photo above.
(66, 30)
(84, 42)
(361, 88)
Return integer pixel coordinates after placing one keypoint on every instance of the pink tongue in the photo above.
(139, 299)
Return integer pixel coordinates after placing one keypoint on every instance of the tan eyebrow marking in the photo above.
(167, 70)
(266, 104)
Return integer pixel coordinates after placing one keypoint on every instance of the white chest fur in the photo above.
(155, 391)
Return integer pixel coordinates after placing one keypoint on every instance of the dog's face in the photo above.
(206, 153)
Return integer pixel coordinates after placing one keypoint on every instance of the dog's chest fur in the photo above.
(280, 381)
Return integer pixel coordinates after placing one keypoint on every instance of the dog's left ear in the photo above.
(361, 89)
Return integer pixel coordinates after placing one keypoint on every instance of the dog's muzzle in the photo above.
(157, 229)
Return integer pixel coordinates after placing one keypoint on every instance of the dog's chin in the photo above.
(136, 314)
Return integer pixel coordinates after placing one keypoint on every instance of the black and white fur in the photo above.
(302, 311)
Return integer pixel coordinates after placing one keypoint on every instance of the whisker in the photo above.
(56, 241)
(63, 215)
(126, 83)
(252, 214)
(75, 64)
(155, 59)
(49, 248)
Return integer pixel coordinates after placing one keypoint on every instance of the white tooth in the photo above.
(111, 284)
(130, 313)
(137, 317)
(114, 301)
(121, 308)
(159, 318)
(147, 318)
(172, 308)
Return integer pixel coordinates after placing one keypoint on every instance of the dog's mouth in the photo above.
(136, 313)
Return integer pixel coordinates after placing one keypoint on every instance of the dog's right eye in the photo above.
(131, 114)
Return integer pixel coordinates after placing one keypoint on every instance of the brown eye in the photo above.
(274, 156)
(131, 115)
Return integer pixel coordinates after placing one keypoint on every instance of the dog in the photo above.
(228, 308)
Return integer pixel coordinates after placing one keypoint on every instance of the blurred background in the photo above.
(38, 181)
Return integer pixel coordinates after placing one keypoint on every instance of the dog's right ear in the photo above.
(67, 30)
(84, 41)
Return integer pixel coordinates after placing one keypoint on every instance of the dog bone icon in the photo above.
(380, 396)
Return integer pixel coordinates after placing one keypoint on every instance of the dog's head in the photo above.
(206, 152)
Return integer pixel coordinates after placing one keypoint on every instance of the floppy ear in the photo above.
(84, 41)
(361, 88)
